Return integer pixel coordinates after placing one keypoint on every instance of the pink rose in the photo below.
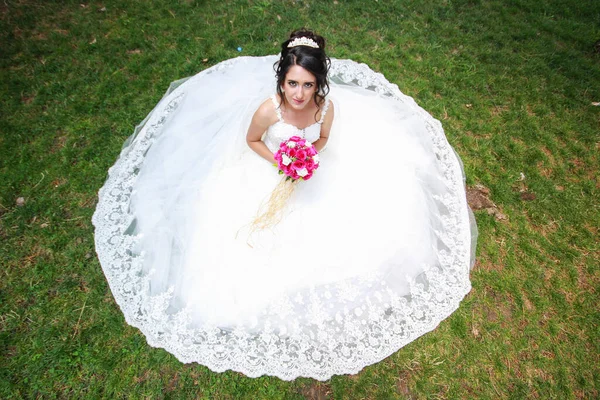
(311, 151)
(302, 142)
(292, 152)
(301, 154)
(277, 156)
(298, 164)
(295, 138)
(308, 176)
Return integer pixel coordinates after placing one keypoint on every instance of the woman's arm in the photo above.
(325, 129)
(262, 119)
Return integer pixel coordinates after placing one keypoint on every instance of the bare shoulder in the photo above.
(265, 115)
(330, 108)
(327, 120)
(330, 113)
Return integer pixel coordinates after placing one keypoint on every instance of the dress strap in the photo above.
(277, 107)
(325, 108)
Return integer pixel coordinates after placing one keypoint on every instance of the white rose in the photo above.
(316, 158)
(302, 172)
(291, 144)
(285, 160)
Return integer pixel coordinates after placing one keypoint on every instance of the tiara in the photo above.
(303, 41)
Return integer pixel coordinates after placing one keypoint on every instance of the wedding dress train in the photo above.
(372, 252)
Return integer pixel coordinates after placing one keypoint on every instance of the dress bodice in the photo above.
(281, 130)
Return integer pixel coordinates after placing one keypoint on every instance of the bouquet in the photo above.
(297, 159)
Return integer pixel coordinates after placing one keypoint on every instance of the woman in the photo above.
(301, 89)
(372, 252)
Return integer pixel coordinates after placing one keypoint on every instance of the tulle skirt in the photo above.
(371, 253)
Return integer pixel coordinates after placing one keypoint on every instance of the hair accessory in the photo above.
(303, 41)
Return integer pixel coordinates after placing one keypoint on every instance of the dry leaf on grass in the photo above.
(478, 199)
(528, 196)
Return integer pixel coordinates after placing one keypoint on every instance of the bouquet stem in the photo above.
(270, 214)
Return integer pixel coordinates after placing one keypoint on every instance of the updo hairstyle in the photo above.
(313, 60)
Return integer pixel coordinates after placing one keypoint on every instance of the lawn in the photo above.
(515, 83)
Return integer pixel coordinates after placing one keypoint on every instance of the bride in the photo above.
(371, 253)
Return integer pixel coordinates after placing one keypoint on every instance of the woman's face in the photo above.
(299, 87)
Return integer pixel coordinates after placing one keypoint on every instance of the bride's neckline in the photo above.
(294, 126)
(278, 111)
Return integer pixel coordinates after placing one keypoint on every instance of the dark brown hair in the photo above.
(311, 59)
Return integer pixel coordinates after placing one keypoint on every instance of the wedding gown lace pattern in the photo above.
(333, 327)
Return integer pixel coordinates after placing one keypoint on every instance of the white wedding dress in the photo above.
(371, 253)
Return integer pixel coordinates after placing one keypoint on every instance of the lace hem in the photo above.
(373, 327)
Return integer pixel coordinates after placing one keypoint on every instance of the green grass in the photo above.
(512, 81)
